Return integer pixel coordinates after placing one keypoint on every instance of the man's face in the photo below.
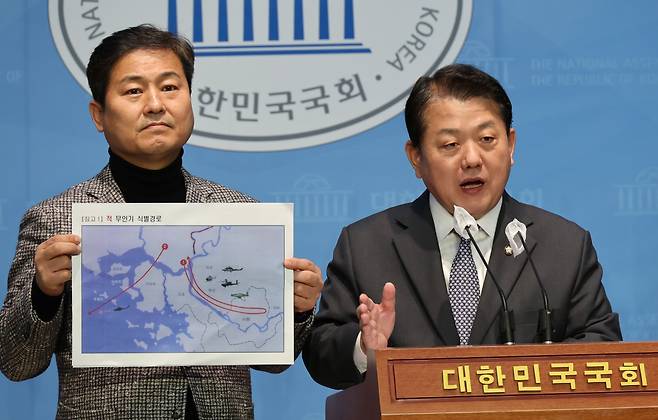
(465, 154)
(147, 116)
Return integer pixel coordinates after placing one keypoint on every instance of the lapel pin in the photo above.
(508, 250)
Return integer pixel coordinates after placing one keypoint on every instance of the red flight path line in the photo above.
(250, 310)
(164, 248)
(194, 240)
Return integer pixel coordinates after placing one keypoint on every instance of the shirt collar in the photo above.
(443, 221)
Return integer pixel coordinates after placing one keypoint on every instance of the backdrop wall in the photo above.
(583, 78)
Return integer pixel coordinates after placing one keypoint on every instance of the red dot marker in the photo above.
(183, 262)
(165, 245)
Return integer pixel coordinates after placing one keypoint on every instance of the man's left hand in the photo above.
(308, 283)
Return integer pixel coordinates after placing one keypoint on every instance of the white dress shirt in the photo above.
(448, 241)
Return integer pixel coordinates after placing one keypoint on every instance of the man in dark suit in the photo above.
(141, 82)
(432, 286)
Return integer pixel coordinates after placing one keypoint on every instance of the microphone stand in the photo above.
(545, 326)
(507, 321)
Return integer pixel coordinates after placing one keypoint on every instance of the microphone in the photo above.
(516, 229)
(463, 223)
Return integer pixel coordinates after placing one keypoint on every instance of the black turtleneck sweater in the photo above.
(137, 185)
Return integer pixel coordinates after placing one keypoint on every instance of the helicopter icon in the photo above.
(226, 283)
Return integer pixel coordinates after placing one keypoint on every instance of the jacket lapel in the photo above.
(506, 269)
(103, 189)
(418, 250)
(194, 193)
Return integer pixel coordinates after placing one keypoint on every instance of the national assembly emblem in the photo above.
(283, 74)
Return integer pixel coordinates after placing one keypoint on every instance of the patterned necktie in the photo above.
(464, 290)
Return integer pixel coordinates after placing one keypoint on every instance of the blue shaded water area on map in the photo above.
(121, 313)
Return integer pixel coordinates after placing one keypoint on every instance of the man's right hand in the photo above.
(376, 320)
(52, 261)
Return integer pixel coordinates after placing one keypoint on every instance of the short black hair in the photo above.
(120, 43)
(459, 81)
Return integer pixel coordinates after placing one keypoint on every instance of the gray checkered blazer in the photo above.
(27, 343)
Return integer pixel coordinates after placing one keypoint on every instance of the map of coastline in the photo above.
(173, 289)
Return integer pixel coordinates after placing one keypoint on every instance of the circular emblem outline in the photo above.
(290, 141)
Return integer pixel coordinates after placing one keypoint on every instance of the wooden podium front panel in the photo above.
(602, 380)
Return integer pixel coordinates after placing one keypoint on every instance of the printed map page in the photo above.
(182, 289)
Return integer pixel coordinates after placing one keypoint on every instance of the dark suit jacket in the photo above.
(27, 343)
(399, 245)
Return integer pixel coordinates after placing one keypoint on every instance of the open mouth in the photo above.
(471, 184)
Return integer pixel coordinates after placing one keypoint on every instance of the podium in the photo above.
(583, 381)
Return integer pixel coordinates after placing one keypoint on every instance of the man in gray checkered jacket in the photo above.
(140, 79)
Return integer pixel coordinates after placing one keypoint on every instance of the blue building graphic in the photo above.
(269, 41)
